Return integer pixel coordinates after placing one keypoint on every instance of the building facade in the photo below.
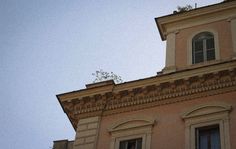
(190, 104)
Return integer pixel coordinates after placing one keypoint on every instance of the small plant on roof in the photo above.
(183, 8)
(101, 75)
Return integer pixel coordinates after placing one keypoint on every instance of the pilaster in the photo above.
(170, 52)
(87, 133)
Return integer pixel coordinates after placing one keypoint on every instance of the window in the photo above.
(131, 133)
(203, 47)
(131, 144)
(207, 126)
(208, 137)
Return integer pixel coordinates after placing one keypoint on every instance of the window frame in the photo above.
(206, 124)
(202, 38)
(131, 128)
(207, 115)
(206, 130)
(190, 46)
(126, 138)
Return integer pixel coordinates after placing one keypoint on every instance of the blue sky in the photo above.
(49, 47)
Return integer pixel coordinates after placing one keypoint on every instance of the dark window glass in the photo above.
(123, 145)
(210, 54)
(210, 43)
(199, 57)
(208, 137)
(198, 46)
(131, 144)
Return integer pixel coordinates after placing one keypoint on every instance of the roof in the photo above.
(163, 21)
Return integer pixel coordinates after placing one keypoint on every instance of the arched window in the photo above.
(203, 47)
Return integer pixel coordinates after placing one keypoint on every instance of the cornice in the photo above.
(156, 91)
(155, 100)
(86, 92)
(175, 22)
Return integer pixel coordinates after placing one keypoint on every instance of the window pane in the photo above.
(139, 143)
(198, 45)
(211, 54)
(198, 51)
(199, 57)
(123, 145)
(203, 142)
(210, 43)
(131, 144)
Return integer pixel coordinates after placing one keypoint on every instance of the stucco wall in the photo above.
(223, 29)
(169, 131)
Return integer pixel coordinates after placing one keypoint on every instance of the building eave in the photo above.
(96, 101)
(162, 21)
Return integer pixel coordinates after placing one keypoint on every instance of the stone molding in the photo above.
(129, 123)
(131, 128)
(207, 108)
(156, 94)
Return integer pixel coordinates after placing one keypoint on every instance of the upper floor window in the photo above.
(203, 47)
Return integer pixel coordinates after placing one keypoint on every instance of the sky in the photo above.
(48, 47)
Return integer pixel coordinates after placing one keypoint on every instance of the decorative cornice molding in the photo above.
(129, 123)
(156, 94)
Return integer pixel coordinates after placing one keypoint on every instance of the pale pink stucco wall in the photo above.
(169, 131)
(223, 29)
